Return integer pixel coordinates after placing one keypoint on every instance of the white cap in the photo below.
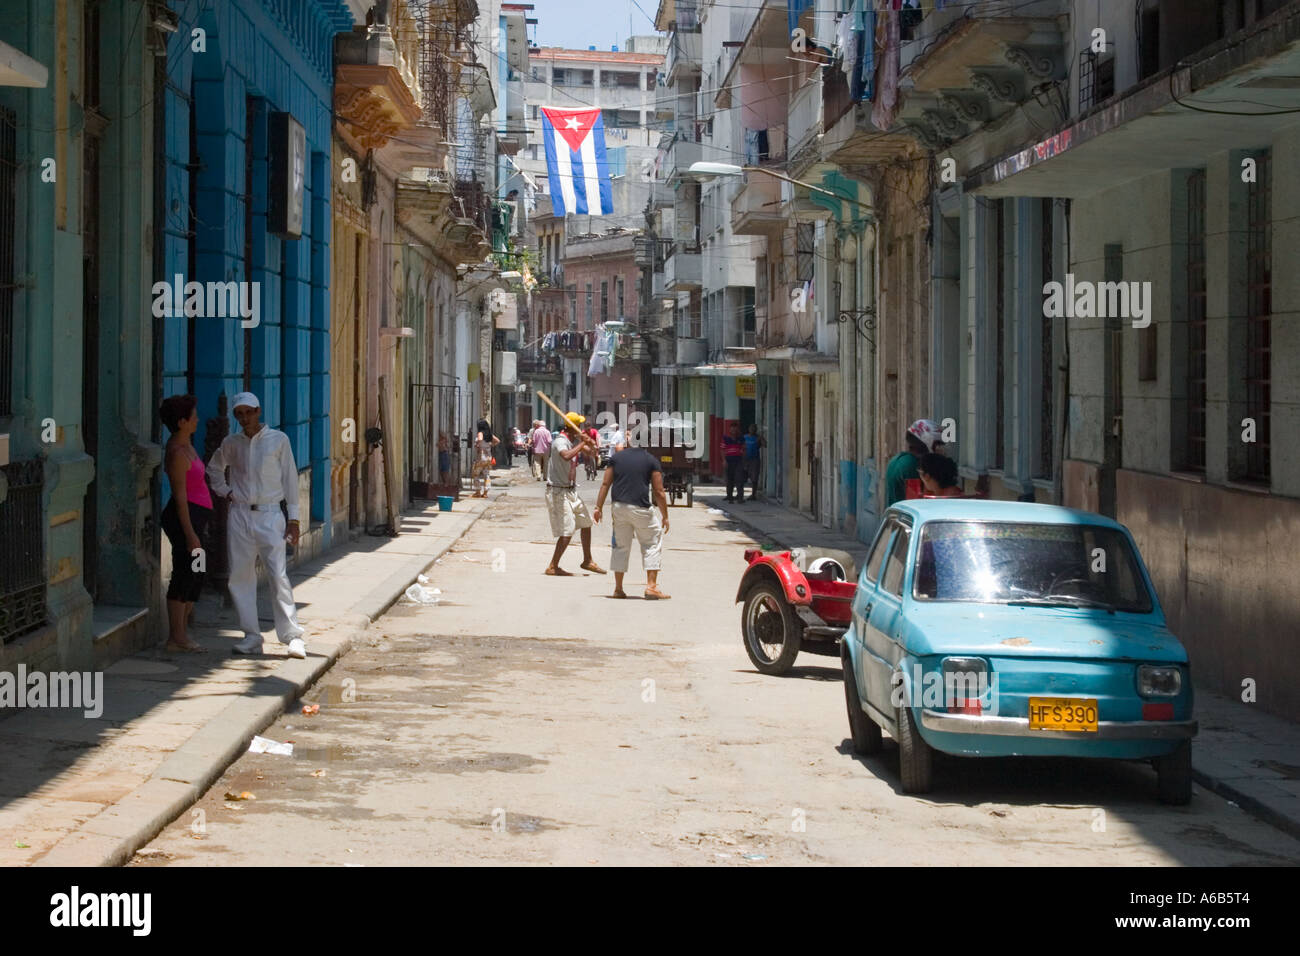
(245, 398)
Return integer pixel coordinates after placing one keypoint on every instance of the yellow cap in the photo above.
(573, 418)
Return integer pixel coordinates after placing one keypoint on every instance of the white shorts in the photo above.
(631, 522)
(567, 511)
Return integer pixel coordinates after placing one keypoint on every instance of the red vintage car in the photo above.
(794, 600)
(799, 600)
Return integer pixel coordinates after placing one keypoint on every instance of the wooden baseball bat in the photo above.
(556, 408)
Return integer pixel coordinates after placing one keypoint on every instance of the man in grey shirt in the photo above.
(631, 475)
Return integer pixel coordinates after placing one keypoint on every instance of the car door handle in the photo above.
(866, 610)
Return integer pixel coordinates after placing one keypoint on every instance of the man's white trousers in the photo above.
(249, 534)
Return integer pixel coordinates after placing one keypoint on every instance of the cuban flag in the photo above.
(575, 162)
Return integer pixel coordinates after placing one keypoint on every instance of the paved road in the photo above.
(533, 720)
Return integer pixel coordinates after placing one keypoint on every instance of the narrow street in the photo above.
(528, 719)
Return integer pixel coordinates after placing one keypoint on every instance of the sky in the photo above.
(578, 24)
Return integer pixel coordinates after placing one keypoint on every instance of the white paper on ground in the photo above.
(264, 745)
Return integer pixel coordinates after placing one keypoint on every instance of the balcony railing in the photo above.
(539, 365)
(474, 203)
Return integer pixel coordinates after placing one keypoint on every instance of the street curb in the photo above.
(1256, 808)
(112, 837)
(1252, 805)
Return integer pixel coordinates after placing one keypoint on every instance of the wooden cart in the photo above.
(679, 472)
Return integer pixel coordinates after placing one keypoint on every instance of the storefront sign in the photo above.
(288, 161)
(747, 387)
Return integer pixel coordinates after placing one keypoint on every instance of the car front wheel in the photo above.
(915, 756)
(864, 731)
(1174, 775)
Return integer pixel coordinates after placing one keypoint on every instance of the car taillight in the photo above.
(751, 554)
(1158, 711)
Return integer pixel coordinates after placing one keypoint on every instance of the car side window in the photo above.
(871, 566)
(897, 563)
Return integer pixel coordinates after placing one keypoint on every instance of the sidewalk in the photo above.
(1242, 753)
(90, 792)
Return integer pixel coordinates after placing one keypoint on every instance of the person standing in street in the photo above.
(938, 474)
(481, 471)
(184, 518)
(754, 445)
(922, 436)
(733, 453)
(563, 504)
(541, 447)
(262, 475)
(630, 477)
(508, 447)
(444, 458)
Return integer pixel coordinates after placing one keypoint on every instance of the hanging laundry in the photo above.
(886, 99)
(844, 40)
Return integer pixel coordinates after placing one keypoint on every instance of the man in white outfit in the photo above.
(262, 474)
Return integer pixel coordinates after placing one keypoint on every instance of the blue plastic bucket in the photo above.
(444, 502)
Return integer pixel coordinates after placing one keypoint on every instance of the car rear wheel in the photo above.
(770, 628)
(915, 756)
(864, 731)
(1174, 775)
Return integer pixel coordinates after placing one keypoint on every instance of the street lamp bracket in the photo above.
(864, 321)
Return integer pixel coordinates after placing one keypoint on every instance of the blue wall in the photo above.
(279, 53)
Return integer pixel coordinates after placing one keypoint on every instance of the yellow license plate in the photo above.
(667, 458)
(1063, 713)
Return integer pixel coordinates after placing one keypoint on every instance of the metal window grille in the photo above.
(22, 550)
(8, 230)
(1195, 322)
(1045, 425)
(1096, 78)
(805, 236)
(1259, 309)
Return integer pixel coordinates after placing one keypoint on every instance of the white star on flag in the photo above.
(571, 122)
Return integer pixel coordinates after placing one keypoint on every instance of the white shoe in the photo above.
(297, 648)
(251, 644)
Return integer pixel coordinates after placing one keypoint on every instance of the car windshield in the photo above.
(1057, 565)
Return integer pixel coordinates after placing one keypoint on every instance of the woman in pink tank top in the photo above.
(184, 518)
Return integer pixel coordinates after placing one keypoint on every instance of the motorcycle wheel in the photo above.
(771, 630)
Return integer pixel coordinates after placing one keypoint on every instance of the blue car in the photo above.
(1000, 628)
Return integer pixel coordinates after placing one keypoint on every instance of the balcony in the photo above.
(684, 269)
(516, 39)
(756, 210)
(426, 204)
(766, 45)
(681, 155)
(683, 58)
(805, 116)
(538, 365)
(972, 71)
(469, 222)
(515, 136)
(691, 351)
(377, 92)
